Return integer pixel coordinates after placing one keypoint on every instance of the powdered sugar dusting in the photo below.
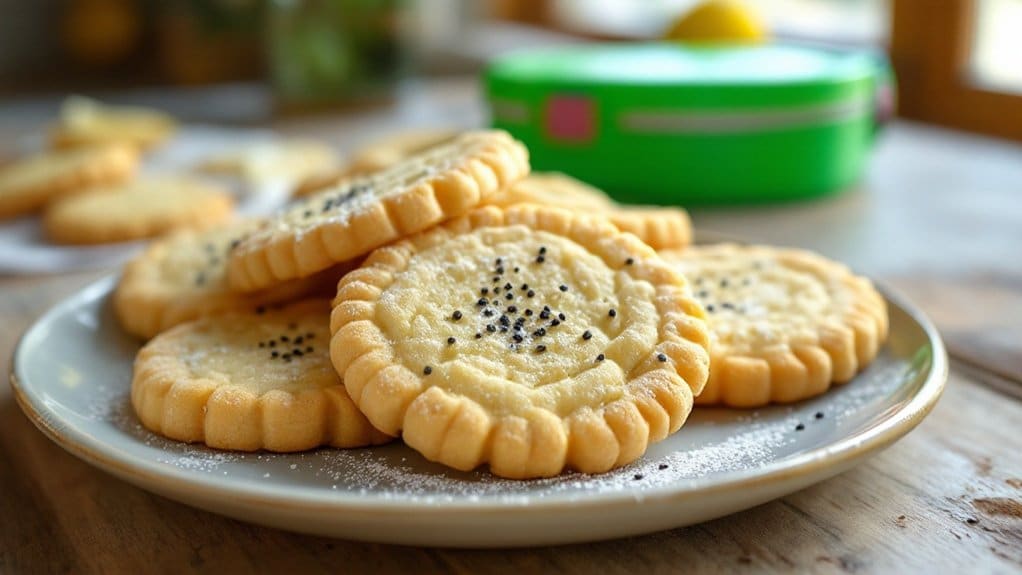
(103, 402)
(207, 462)
(407, 478)
(714, 442)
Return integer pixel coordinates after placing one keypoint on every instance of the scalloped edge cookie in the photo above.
(659, 227)
(169, 400)
(787, 372)
(474, 166)
(146, 304)
(458, 431)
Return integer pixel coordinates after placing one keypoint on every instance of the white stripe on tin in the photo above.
(708, 122)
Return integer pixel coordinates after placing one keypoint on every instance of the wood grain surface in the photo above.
(938, 217)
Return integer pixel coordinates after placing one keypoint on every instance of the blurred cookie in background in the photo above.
(86, 122)
(294, 160)
(141, 209)
(377, 155)
(27, 184)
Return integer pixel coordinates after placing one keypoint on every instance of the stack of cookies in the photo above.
(482, 315)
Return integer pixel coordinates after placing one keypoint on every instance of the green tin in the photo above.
(668, 123)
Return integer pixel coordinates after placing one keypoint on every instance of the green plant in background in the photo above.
(326, 50)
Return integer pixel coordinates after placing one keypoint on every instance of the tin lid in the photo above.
(678, 75)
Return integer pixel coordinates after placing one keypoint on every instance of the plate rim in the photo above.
(147, 473)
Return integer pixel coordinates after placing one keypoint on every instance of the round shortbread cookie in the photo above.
(27, 185)
(85, 122)
(183, 277)
(376, 156)
(785, 323)
(248, 381)
(350, 220)
(659, 227)
(135, 210)
(532, 339)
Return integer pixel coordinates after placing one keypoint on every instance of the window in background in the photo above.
(840, 21)
(961, 65)
(996, 60)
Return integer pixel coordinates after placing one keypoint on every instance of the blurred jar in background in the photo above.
(101, 33)
(329, 52)
(206, 41)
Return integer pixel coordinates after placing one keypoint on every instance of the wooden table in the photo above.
(938, 216)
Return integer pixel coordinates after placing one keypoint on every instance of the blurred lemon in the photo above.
(101, 32)
(718, 21)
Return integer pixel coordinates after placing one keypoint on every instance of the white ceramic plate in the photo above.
(72, 373)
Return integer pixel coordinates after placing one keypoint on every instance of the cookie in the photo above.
(182, 277)
(320, 181)
(85, 122)
(659, 227)
(248, 381)
(376, 156)
(384, 153)
(291, 160)
(347, 221)
(27, 185)
(555, 189)
(786, 323)
(139, 209)
(534, 339)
